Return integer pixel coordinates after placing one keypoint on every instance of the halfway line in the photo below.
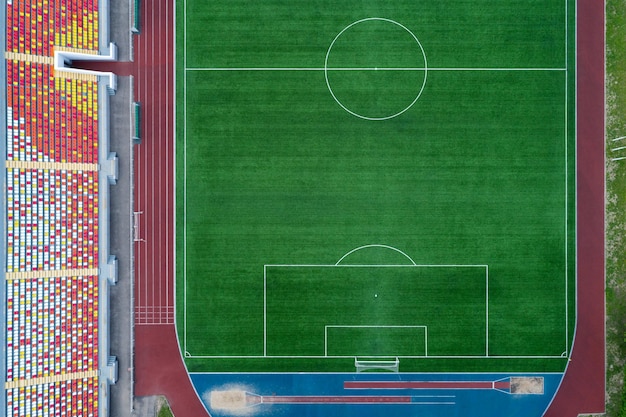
(372, 69)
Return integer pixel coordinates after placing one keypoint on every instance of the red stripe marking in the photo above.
(337, 399)
(504, 385)
(425, 385)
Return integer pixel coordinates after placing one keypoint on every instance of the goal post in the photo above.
(364, 364)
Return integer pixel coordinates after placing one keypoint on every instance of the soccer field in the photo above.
(381, 180)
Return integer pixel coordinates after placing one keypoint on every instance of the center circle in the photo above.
(375, 68)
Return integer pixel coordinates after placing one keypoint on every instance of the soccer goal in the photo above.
(363, 365)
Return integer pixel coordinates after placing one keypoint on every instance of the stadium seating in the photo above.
(57, 399)
(52, 286)
(37, 26)
(48, 118)
(51, 326)
(52, 220)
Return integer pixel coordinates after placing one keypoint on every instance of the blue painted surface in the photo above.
(425, 403)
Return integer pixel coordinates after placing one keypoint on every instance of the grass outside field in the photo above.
(478, 171)
(615, 218)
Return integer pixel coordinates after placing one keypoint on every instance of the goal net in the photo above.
(363, 365)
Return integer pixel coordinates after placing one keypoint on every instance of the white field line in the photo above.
(375, 246)
(185, 177)
(174, 167)
(365, 69)
(370, 357)
(153, 193)
(566, 215)
(576, 168)
(566, 177)
(264, 311)
(399, 69)
(486, 311)
(505, 374)
(170, 277)
(566, 34)
(371, 266)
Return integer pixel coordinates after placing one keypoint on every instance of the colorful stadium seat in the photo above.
(52, 197)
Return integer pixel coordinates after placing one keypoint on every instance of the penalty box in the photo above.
(407, 311)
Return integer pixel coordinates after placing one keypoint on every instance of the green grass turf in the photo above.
(165, 410)
(301, 301)
(271, 170)
(280, 33)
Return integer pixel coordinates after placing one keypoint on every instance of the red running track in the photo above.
(159, 368)
(583, 386)
(154, 165)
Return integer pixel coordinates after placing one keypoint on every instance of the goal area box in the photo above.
(380, 311)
